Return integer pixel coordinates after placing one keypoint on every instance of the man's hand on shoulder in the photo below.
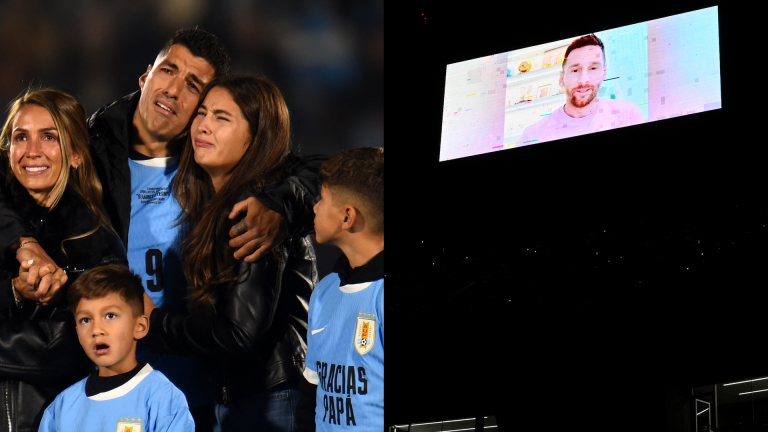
(258, 233)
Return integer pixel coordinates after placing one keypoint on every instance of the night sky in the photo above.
(598, 270)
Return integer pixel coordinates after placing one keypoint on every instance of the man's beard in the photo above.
(581, 103)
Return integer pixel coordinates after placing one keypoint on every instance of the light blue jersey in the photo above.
(154, 253)
(345, 354)
(148, 402)
(154, 238)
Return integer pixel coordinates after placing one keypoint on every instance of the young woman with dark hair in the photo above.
(247, 320)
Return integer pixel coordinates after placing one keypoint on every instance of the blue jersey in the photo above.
(345, 354)
(154, 238)
(154, 253)
(148, 402)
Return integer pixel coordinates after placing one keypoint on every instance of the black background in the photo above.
(501, 299)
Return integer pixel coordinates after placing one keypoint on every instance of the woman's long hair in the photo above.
(208, 262)
(70, 119)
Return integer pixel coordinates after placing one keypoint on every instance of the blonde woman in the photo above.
(51, 183)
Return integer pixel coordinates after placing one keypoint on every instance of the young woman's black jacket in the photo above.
(255, 336)
(39, 352)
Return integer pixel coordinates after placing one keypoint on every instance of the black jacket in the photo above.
(255, 336)
(39, 352)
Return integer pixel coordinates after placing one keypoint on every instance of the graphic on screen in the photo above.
(588, 83)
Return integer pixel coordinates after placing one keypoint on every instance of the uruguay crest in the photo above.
(365, 334)
(128, 427)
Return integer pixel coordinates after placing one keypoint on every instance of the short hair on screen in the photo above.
(581, 42)
(201, 44)
(102, 281)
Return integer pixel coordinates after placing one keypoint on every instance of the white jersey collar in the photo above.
(125, 388)
(353, 288)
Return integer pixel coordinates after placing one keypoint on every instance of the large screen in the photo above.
(584, 84)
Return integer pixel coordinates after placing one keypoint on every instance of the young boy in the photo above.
(344, 386)
(108, 304)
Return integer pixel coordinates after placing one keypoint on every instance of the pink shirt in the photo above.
(609, 114)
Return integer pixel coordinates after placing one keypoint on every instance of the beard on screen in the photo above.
(580, 101)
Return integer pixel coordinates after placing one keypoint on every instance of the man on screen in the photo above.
(583, 71)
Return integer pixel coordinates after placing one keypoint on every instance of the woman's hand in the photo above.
(35, 282)
(44, 278)
(258, 233)
(149, 305)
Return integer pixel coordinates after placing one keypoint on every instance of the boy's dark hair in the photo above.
(204, 45)
(581, 42)
(102, 281)
(358, 175)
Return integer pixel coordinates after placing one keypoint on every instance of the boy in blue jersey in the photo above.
(344, 373)
(122, 394)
